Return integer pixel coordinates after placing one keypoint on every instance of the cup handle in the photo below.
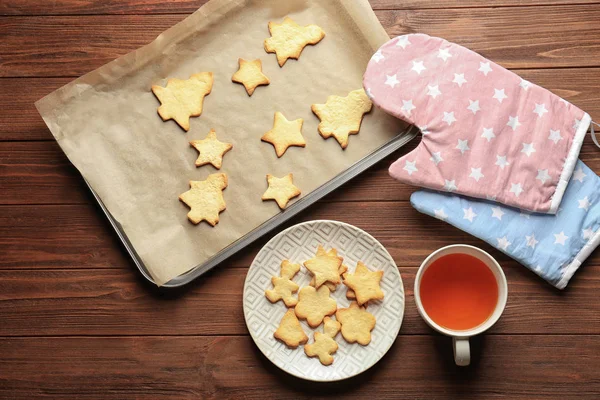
(462, 352)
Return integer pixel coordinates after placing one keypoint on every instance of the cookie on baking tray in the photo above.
(290, 331)
(324, 344)
(365, 284)
(288, 39)
(282, 190)
(205, 199)
(314, 305)
(283, 286)
(211, 150)
(182, 99)
(250, 75)
(357, 323)
(342, 116)
(284, 134)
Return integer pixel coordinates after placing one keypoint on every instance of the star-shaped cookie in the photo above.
(342, 270)
(282, 190)
(314, 305)
(324, 345)
(288, 39)
(357, 324)
(341, 116)
(211, 150)
(182, 99)
(250, 75)
(205, 199)
(284, 134)
(325, 267)
(283, 286)
(364, 283)
(290, 331)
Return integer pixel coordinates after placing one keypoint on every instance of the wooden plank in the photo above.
(39, 173)
(84, 7)
(17, 99)
(58, 237)
(77, 236)
(182, 367)
(580, 86)
(528, 37)
(118, 302)
(447, 4)
(513, 37)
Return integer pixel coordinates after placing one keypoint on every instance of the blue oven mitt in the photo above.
(552, 246)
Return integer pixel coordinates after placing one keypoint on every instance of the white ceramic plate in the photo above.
(297, 244)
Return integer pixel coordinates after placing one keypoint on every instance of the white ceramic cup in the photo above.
(460, 339)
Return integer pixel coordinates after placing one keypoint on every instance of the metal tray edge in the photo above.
(297, 207)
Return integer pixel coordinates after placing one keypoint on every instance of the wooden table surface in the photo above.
(77, 320)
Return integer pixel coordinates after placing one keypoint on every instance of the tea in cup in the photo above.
(460, 291)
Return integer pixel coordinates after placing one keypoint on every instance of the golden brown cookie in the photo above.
(325, 267)
(290, 331)
(364, 283)
(282, 190)
(314, 305)
(341, 116)
(288, 39)
(324, 345)
(205, 199)
(331, 286)
(211, 150)
(284, 134)
(357, 324)
(182, 99)
(349, 292)
(250, 75)
(283, 286)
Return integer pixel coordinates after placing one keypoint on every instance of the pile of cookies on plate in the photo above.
(315, 305)
(182, 99)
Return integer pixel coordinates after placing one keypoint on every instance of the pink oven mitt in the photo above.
(487, 133)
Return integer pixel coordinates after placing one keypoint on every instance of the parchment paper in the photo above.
(107, 124)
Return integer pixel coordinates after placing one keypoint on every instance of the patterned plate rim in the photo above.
(308, 223)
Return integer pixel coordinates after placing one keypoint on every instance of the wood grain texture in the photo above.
(78, 236)
(182, 367)
(511, 37)
(85, 7)
(74, 45)
(39, 173)
(77, 320)
(580, 86)
(118, 302)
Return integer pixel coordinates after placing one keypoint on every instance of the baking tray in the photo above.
(298, 206)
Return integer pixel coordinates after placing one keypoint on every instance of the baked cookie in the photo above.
(331, 286)
(325, 267)
(250, 75)
(324, 345)
(182, 99)
(288, 39)
(284, 134)
(364, 283)
(290, 331)
(282, 190)
(357, 324)
(314, 305)
(342, 116)
(283, 286)
(211, 150)
(205, 199)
